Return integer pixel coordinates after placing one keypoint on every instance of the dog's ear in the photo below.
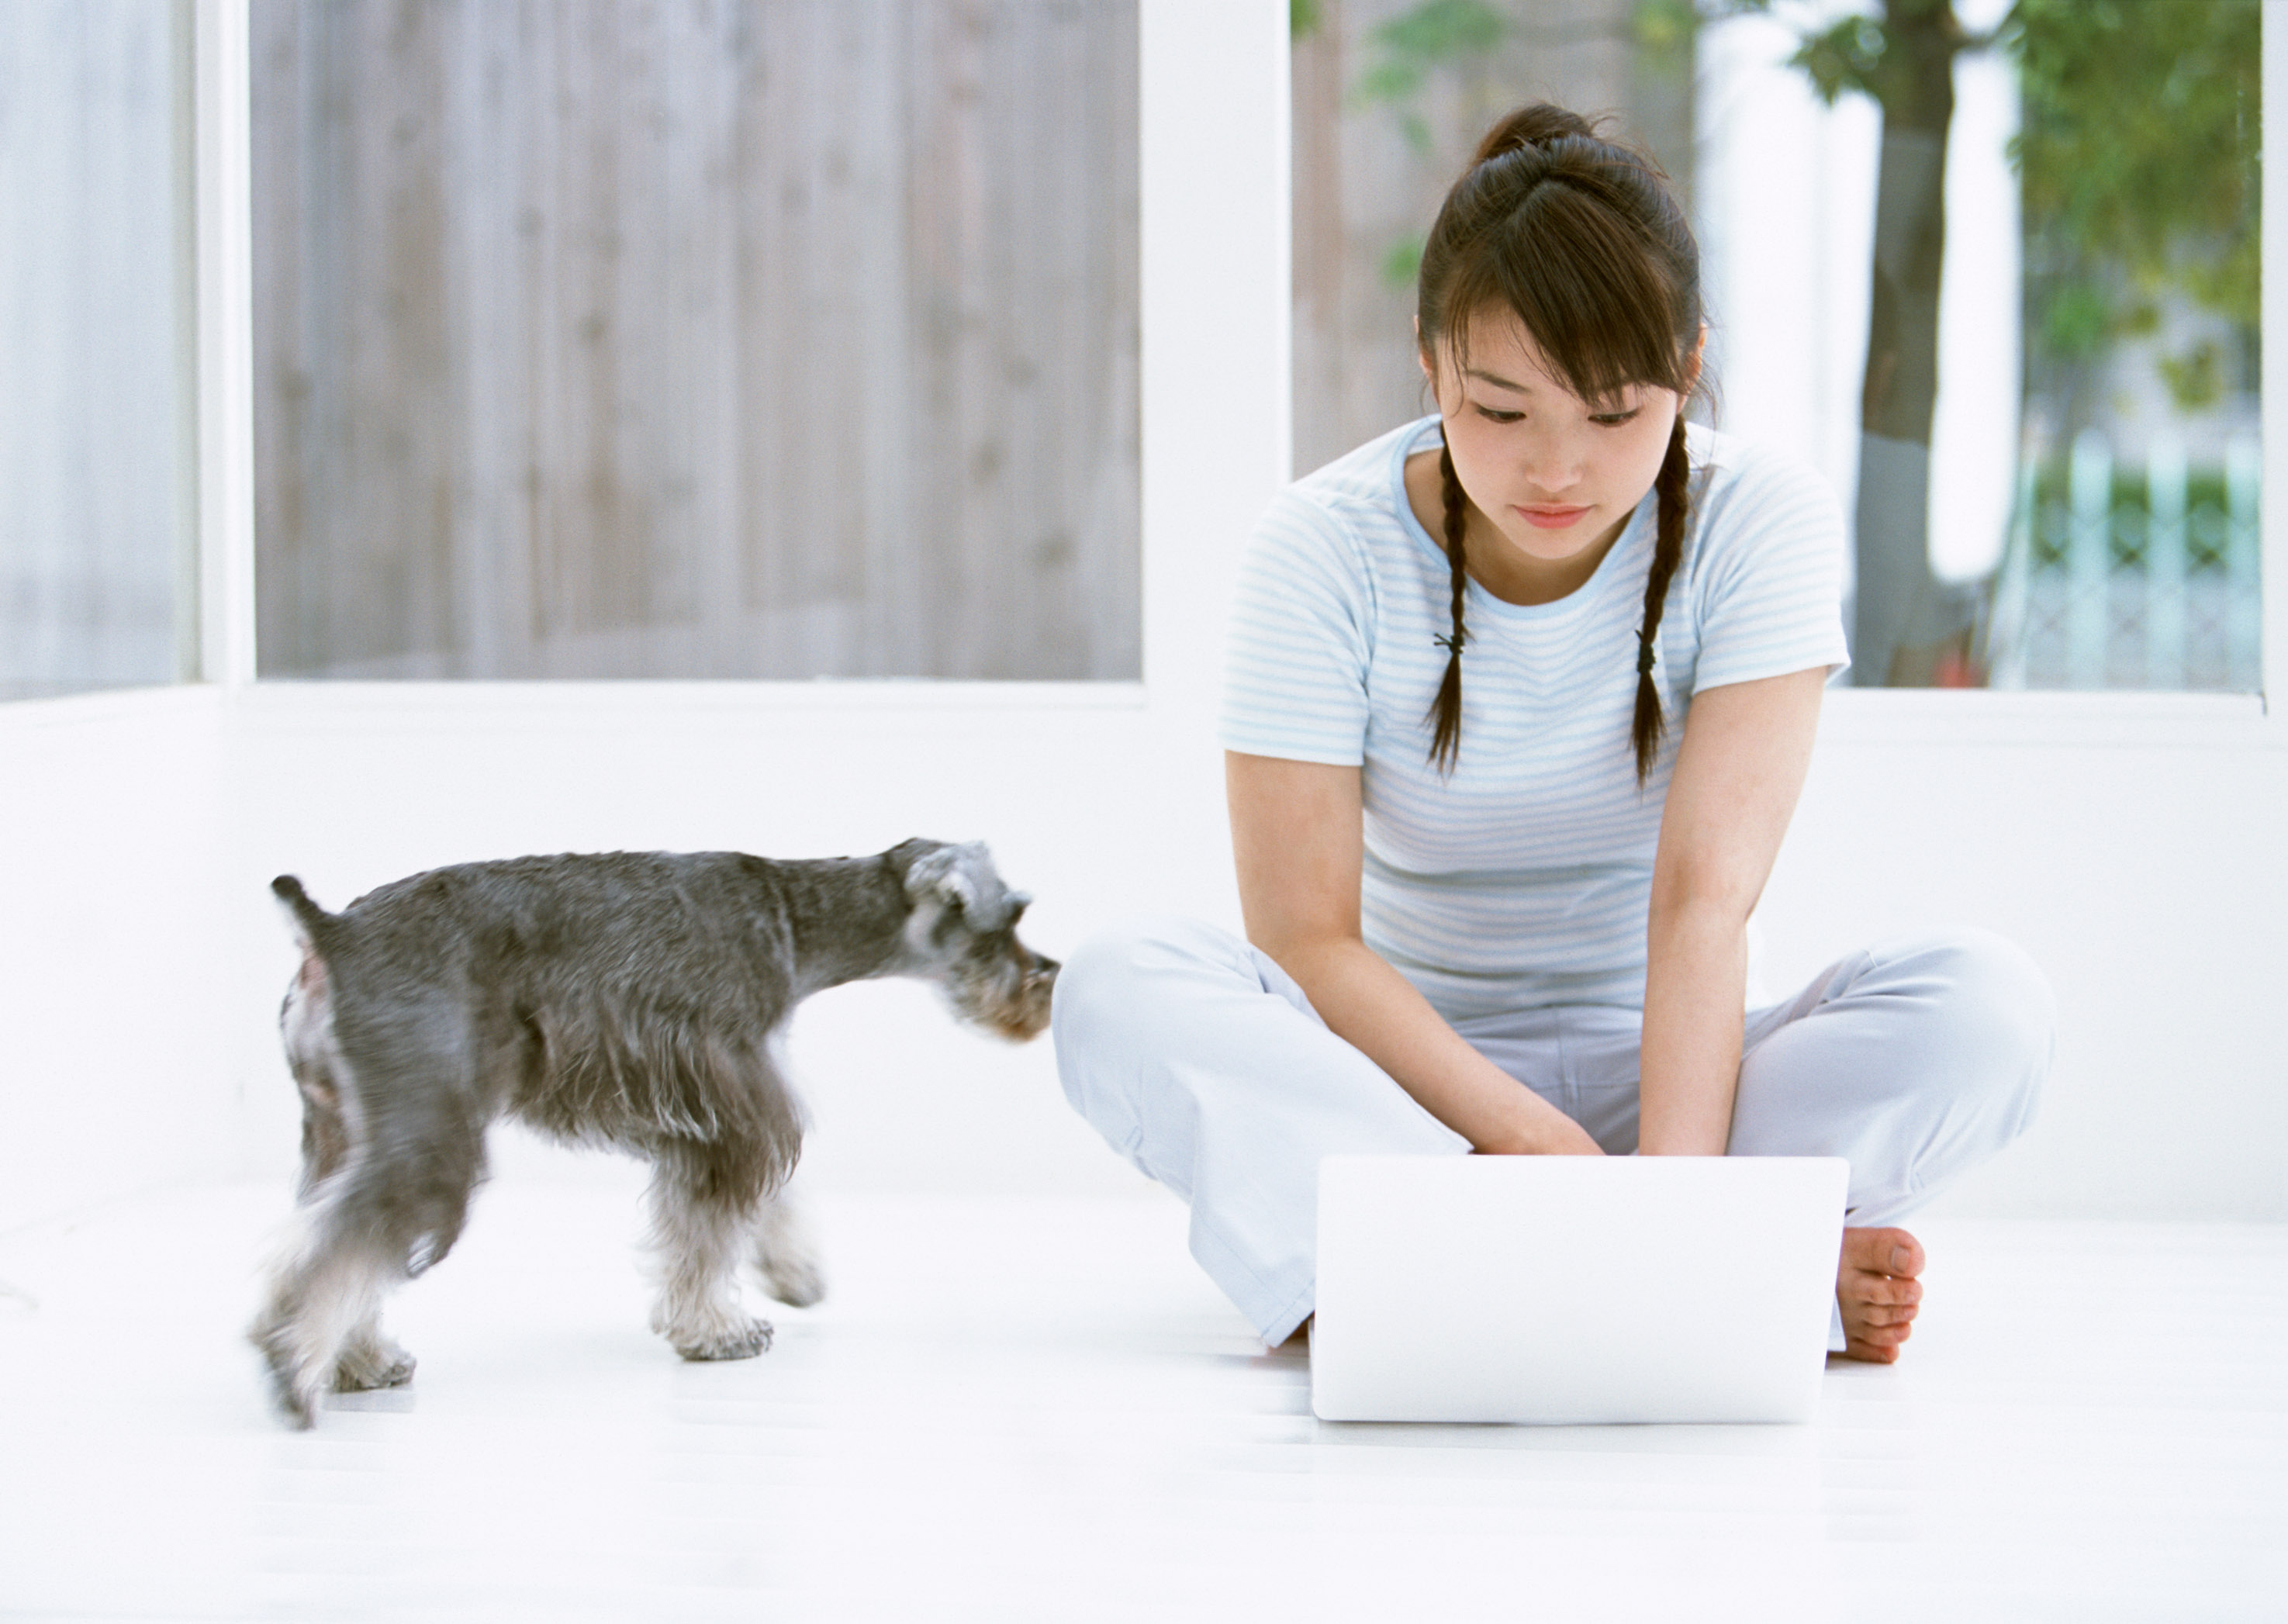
(963, 878)
(946, 876)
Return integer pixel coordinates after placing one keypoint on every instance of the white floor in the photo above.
(1021, 1410)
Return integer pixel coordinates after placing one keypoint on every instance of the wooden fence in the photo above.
(2122, 575)
(697, 338)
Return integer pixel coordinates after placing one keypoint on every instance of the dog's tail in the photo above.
(311, 921)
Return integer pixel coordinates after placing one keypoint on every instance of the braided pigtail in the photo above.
(1672, 485)
(1446, 711)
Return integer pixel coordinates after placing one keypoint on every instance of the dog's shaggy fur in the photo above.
(628, 999)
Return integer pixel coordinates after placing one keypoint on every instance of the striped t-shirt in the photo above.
(1523, 879)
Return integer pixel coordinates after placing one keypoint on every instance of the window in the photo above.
(2045, 435)
(96, 527)
(779, 339)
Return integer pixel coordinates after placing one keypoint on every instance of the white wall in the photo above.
(115, 996)
(2135, 845)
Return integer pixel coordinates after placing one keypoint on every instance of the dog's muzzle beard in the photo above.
(630, 1000)
(1009, 1000)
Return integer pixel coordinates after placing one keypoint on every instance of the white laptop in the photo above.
(1574, 1288)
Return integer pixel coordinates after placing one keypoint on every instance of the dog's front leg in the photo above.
(703, 1205)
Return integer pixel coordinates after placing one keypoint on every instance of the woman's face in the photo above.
(1555, 474)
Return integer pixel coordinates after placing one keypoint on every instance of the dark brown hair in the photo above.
(1583, 240)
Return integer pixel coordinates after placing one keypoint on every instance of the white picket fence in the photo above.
(2103, 586)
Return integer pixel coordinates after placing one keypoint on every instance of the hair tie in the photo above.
(1644, 656)
(1453, 644)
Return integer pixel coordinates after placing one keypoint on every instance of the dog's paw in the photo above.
(380, 1364)
(796, 1281)
(297, 1405)
(742, 1340)
(294, 1400)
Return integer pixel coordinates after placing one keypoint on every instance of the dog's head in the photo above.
(962, 934)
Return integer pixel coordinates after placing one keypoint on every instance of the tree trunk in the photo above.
(1906, 621)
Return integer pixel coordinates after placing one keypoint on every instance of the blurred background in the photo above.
(794, 339)
(782, 339)
(1991, 267)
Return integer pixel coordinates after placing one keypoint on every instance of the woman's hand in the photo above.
(1298, 837)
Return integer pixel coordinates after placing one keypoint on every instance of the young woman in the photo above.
(1519, 701)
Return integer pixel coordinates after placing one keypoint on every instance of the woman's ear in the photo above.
(1422, 359)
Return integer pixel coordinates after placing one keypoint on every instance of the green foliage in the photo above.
(2076, 320)
(1410, 46)
(1846, 56)
(1665, 27)
(2195, 378)
(1303, 19)
(1403, 262)
(2138, 150)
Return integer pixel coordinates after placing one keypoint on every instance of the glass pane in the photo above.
(790, 338)
(95, 524)
(1992, 269)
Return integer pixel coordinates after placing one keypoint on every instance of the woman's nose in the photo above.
(1553, 465)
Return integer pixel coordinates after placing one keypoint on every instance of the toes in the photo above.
(1876, 1334)
(741, 1342)
(390, 1373)
(1879, 1342)
(1879, 1290)
(1883, 1251)
(383, 1367)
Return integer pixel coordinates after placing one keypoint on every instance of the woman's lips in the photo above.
(1551, 519)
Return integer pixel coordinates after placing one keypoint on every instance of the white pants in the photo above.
(1201, 1061)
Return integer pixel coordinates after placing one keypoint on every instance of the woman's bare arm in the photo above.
(1298, 836)
(1747, 746)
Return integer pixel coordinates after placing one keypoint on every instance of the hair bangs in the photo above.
(1602, 313)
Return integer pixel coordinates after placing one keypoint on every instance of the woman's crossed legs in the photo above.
(1198, 1058)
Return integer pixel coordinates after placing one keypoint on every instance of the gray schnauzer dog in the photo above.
(627, 1000)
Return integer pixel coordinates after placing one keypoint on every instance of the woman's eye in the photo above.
(1491, 416)
(1613, 420)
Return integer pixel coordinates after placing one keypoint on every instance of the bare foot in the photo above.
(1876, 1289)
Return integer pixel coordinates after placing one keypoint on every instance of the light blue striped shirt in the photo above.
(1524, 879)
